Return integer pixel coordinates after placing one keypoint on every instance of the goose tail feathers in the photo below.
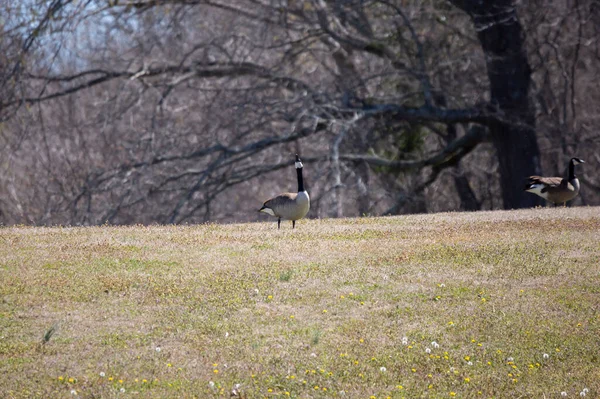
(267, 210)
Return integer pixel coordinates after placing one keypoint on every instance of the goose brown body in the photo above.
(289, 206)
(557, 190)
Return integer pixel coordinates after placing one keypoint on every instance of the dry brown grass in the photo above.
(314, 312)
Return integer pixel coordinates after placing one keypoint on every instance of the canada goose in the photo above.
(289, 206)
(556, 189)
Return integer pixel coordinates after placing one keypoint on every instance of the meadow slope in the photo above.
(489, 304)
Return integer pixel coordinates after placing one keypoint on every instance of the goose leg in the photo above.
(278, 223)
(293, 224)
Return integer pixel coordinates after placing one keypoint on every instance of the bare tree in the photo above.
(501, 36)
(562, 41)
(171, 111)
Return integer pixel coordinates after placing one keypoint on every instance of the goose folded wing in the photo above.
(281, 201)
(546, 181)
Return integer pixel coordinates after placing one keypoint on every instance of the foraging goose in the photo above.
(556, 189)
(289, 206)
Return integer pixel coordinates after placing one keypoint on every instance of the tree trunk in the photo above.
(501, 37)
(468, 199)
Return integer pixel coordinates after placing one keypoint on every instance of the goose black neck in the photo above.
(571, 170)
(300, 180)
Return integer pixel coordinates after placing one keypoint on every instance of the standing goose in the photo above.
(556, 189)
(289, 206)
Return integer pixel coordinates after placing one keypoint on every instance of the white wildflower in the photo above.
(158, 349)
(226, 334)
(404, 341)
(73, 392)
(585, 390)
(102, 374)
(582, 393)
(382, 369)
(235, 391)
(211, 384)
(435, 344)
(427, 350)
(470, 363)
(510, 359)
(122, 390)
(546, 356)
(563, 393)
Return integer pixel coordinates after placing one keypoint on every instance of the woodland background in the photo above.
(188, 111)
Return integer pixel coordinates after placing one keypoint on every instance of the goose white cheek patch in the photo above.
(298, 165)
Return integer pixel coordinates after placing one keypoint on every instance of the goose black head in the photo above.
(575, 161)
(298, 163)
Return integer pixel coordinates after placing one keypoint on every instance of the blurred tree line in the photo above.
(185, 111)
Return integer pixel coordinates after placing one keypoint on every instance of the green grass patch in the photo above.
(466, 305)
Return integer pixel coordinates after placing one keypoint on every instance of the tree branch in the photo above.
(447, 157)
(200, 70)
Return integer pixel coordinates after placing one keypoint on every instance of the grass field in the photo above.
(466, 305)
